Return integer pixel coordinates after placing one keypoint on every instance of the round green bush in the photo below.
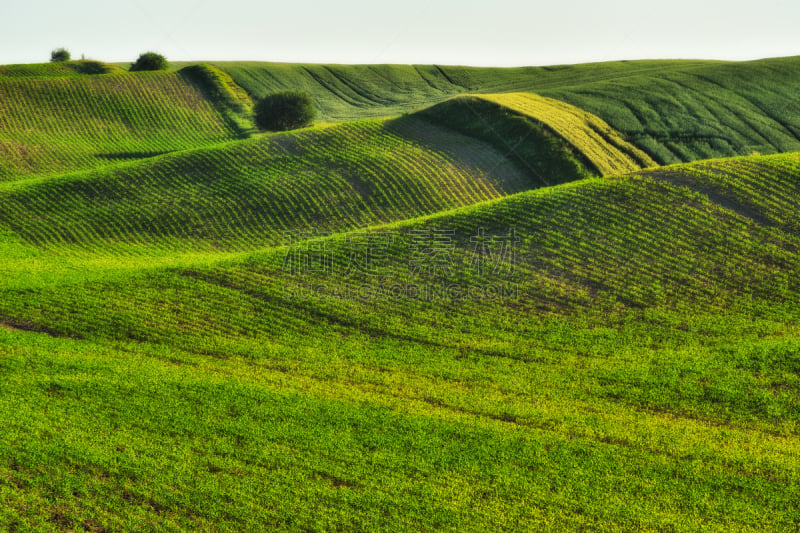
(150, 61)
(285, 111)
(59, 55)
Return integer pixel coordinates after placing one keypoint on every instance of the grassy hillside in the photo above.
(58, 70)
(600, 144)
(689, 114)
(231, 100)
(63, 120)
(401, 323)
(53, 125)
(556, 142)
(634, 367)
(673, 110)
(348, 92)
(247, 194)
(703, 236)
(530, 144)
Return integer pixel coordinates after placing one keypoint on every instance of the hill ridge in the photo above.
(668, 227)
(601, 144)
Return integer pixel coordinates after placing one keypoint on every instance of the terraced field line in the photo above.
(598, 141)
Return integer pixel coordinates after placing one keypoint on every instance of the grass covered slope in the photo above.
(231, 100)
(676, 111)
(642, 375)
(62, 120)
(704, 237)
(530, 144)
(553, 141)
(697, 113)
(599, 143)
(53, 125)
(348, 92)
(58, 70)
(246, 194)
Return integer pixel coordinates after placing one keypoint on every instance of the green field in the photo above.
(57, 124)
(348, 92)
(245, 195)
(465, 300)
(588, 134)
(676, 111)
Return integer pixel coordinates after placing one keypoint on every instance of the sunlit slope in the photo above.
(217, 87)
(52, 125)
(554, 141)
(595, 139)
(246, 194)
(529, 143)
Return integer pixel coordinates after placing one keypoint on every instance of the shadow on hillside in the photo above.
(534, 148)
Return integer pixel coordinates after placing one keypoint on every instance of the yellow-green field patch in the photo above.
(603, 146)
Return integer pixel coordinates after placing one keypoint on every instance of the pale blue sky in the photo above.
(466, 32)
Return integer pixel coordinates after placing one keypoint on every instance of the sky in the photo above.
(446, 32)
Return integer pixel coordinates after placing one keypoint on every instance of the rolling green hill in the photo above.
(53, 125)
(635, 369)
(246, 194)
(349, 92)
(688, 114)
(556, 142)
(604, 147)
(460, 303)
(704, 236)
(57, 70)
(673, 110)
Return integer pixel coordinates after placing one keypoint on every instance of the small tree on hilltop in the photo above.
(285, 111)
(150, 61)
(59, 55)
